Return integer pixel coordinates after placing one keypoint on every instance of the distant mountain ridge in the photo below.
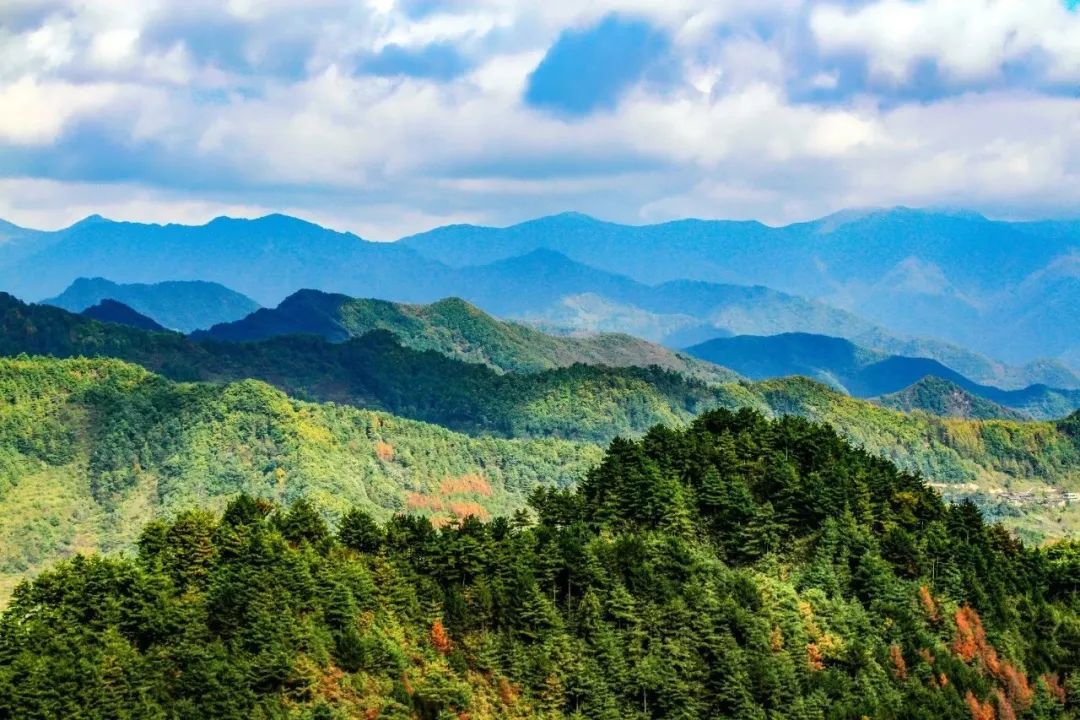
(266, 258)
(948, 274)
(178, 305)
(456, 329)
(866, 373)
(1001, 288)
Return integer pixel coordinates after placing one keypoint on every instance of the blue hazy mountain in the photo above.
(953, 275)
(875, 278)
(265, 259)
(111, 311)
(183, 305)
(866, 373)
(973, 251)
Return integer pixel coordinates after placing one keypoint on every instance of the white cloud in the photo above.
(35, 113)
(268, 102)
(968, 39)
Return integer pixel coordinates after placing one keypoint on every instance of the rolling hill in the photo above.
(866, 373)
(178, 305)
(946, 399)
(456, 329)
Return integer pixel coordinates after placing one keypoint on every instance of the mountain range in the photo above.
(456, 329)
(1002, 289)
(998, 287)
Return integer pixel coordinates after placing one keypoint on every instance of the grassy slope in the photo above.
(91, 449)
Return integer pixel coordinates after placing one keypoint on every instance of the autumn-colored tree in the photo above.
(929, 605)
(896, 656)
(1017, 686)
(439, 638)
(979, 710)
(1005, 709)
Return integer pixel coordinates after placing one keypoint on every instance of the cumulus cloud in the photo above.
(385, 116)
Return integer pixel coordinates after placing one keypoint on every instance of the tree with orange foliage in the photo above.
(929, 605)
(439, 638)
(814, 658)
(970, 642)
(1004, 707)
(896, 656)
(979, 710)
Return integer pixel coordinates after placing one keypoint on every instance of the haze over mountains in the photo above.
(952, 275)
(954, 281)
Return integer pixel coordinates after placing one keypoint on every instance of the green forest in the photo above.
(90, 450)
(740, 567)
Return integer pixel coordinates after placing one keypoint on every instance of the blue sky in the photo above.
(386, 117)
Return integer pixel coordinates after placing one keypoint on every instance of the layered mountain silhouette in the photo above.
(1004, 289)
(867, 373)
(179, 305)
(112, 311)
(265, 259)
(950, 274)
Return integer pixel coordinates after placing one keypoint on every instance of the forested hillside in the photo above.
(376, 371)
(741, 568)
(986, 460)
(946, 399)
(92, 449)
(456, 329)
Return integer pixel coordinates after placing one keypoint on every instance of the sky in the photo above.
(387, 117)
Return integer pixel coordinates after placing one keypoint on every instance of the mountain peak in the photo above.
(90, 220)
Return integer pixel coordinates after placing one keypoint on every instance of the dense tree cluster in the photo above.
(740, 568)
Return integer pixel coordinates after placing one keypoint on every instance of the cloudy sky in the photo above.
(391, 116)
